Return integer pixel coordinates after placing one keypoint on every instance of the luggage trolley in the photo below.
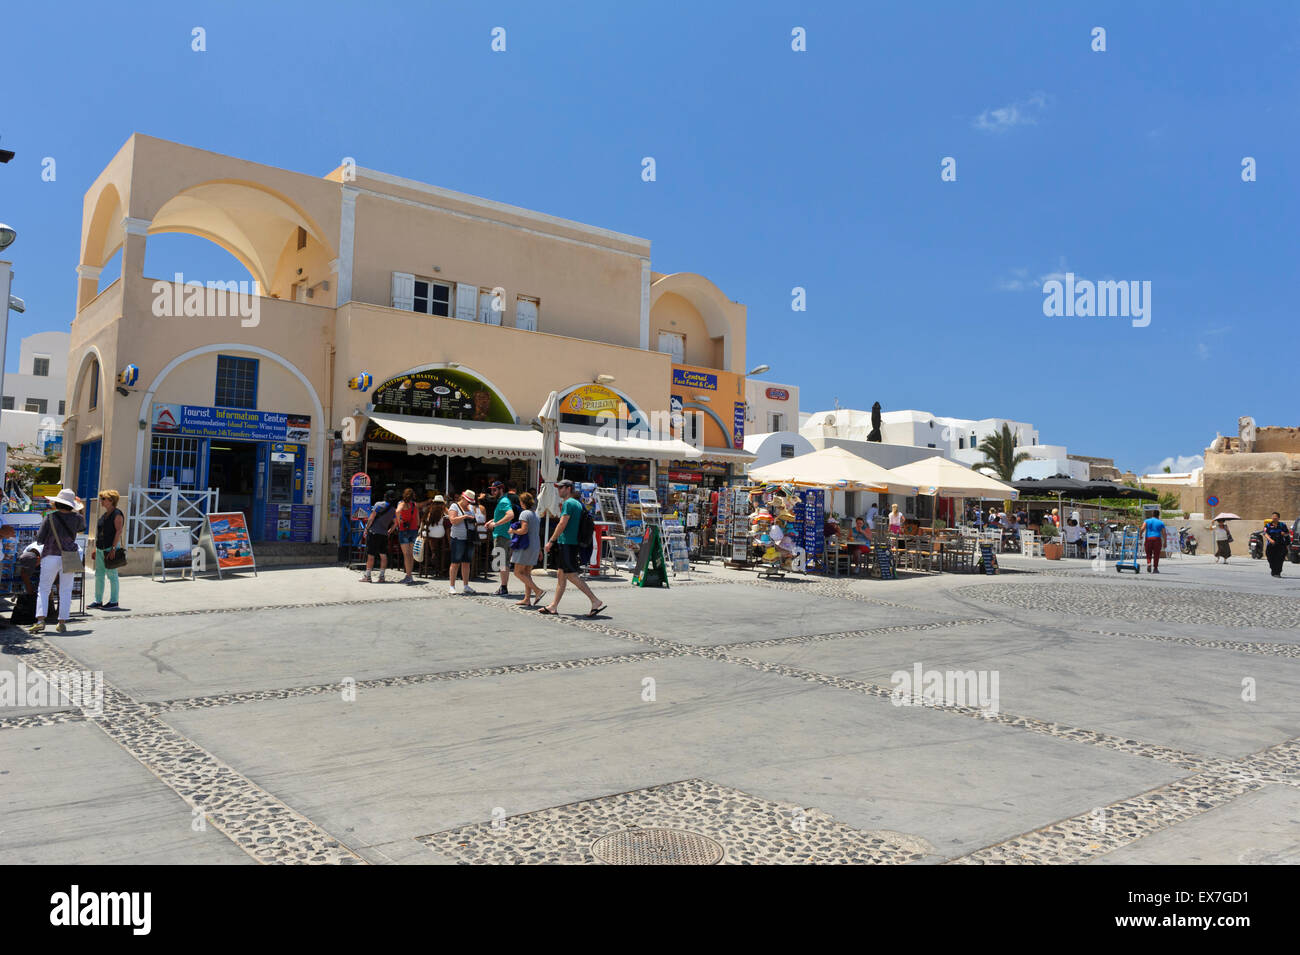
(1128, 551)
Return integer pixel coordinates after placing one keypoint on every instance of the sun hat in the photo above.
(69, 497)
(468, 495)
(439, 499)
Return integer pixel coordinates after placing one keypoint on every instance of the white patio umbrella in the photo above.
(834, 468)
(548, 498)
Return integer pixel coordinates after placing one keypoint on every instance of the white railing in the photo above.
(149, 508)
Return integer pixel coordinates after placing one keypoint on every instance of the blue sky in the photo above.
(776, 169)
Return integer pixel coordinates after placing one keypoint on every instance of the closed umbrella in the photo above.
(548, 498)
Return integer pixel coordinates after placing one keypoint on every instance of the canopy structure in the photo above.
(1077, 490)
(835, 468)
(477, 439)
(937, 476)
(631, 447)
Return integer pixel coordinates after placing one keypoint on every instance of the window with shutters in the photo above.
(488, 311)
(432, 298)
(526, 309)
(41, 367)
(61, 404)
(775, 421)
(674, 344)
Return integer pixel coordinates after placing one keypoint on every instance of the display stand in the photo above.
(225, 543)
(651, 569)
(172, 551)
(610, 513)
(676, 547)
(735, 532)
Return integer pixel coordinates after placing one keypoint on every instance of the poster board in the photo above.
(651, 571)
(226, 543)
(171, 551)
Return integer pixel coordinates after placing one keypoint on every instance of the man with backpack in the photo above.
(568, 534)
(378, 524)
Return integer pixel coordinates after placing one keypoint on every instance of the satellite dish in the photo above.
(829, 421)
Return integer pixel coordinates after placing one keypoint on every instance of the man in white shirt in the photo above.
(872, 513)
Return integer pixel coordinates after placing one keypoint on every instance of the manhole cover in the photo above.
(656, 847)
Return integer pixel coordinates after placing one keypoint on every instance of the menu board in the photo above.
(288, 522)
(171, 550)
(811, 516)
(436, 394)
(225, 538)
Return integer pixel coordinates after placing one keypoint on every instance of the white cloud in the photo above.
(1002, 118)
(1182, 463)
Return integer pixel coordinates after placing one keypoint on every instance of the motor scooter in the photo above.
(1257, 545)
(1187, 541)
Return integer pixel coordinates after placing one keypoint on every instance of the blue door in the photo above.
(88, 471)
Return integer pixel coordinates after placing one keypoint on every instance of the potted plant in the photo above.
(1053, 549)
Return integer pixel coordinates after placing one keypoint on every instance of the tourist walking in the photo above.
(504, 513)
(567, 536)
(1222, 541)
(464, 539)
(525, 547)
(407, 523)
(1154, 539)
(378, 526)
(108, 544)
(60, 559)
(1277, 541)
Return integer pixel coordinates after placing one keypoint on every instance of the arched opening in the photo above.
(194, 258)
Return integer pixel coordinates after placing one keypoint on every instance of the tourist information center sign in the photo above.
(232, 424)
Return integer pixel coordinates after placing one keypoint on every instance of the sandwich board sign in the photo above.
(651, 570)
(226, 543)
(171, 551)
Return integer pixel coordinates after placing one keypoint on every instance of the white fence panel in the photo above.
(149, 508)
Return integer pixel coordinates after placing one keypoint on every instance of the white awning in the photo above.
(471, 439)
(727, 456)
(631, 447)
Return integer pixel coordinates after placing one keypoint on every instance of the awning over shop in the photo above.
(726, 456)
(472, 439)
(629, 448)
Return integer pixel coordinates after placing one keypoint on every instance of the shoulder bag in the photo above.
(72, 560)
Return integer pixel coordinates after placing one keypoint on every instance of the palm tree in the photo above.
(1000, 453)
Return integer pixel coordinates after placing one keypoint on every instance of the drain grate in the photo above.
(657, 847)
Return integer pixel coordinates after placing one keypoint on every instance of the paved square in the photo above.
(301, 716)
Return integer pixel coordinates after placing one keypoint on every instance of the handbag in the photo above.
(417, 549)
(73, 562)
(115, 558)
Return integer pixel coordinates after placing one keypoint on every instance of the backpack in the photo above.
(586, 528)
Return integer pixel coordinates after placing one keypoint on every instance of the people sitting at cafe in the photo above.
(1074, 534)
(861, 546)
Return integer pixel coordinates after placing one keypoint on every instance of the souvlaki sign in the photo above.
(1085, 298)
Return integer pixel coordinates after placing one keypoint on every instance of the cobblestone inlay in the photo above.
(849, 634)
(257, 822)
(42, 719)
(1291, 650)
(750, 830)
(1075, 734)
(414, 679)
(1108, 828)
(1218, 608)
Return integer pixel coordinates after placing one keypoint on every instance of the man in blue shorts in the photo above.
(566, 535)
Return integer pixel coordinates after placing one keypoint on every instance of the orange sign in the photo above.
(591, 400)
(230, 540)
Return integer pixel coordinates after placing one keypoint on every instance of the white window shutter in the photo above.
(486, 313)
(526, 315)
(403, 291)
(466, 301)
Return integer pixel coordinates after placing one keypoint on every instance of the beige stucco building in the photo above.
(463, 312)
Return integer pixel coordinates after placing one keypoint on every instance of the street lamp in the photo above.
(7, 236)
(760, 369)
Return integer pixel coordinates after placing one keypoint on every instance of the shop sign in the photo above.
(590, 401)
(686, 477)
(778, 394)
(702, 381)
(231, 424)
(441, 393)
(738, 431)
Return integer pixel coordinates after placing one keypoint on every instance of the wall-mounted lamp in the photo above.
(604, 379)
(705, 398)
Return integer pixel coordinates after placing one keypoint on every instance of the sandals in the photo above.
(597, 610)
(548, 612)
(538, 598)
